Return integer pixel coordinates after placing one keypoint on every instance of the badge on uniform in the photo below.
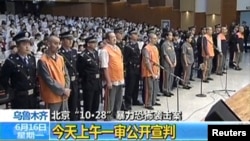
(30, 92)
(73, 78)
(28, 77)
(97, 76)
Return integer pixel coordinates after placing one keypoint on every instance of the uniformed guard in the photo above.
(232, 46)
(19, 74)
(239, 48)
(217, 54)
(222, 46)
(89, 71)
(132, 57)
(70, 58)
(177, 47)
(199, 49)
(119, 33)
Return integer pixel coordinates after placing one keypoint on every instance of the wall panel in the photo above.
(200, 21)
(143, 13)
(242, 5)
(214, 6)
(187, 5)
(212, 20)
(200, 6)
(187, 19)
(228, 12)
(98, 9)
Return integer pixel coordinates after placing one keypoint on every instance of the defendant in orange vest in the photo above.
(53, 78)
(150, 71)
(112, 64)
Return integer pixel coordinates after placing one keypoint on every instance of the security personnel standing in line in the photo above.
(215, 35)
(232, 46)
(88, 66)
(119, 33)
(70, 58)
(132, 57)
(19, 74)
(177, 42)
(199, 51)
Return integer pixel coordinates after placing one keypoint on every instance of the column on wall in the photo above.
(200, 14)
(187, 9)
(213, 13)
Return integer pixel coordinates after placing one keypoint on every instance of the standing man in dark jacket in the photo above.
(132, 57)
(199, 49)
(18, 74)
(246, 34)
(177, 48)
(70, 57)
(88, 66)
(215, 34)
(232, 46)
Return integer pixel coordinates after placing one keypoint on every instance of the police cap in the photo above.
(91, 39)
(118, 30)
(133, 31)
(67, 34)
(22, 36)
(151, 30)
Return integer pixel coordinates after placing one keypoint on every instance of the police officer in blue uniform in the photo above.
(132, 58)
(18, 74)
(70, 58)
(88, 66)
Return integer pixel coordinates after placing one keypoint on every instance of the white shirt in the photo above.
(104, 61)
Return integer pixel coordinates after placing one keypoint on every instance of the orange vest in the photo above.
(115, 64)
(210, 47)
(57, 72)
(154, 56)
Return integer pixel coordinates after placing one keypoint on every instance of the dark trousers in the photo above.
(22, 100)
(132, 86)
(91, 102)
(214, 67)
(200, 61)
(192, 70)
(245, 42)
(178, 71)
(161, 80)
(231, 56)
(73, 100)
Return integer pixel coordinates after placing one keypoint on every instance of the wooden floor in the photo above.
(240, 103)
